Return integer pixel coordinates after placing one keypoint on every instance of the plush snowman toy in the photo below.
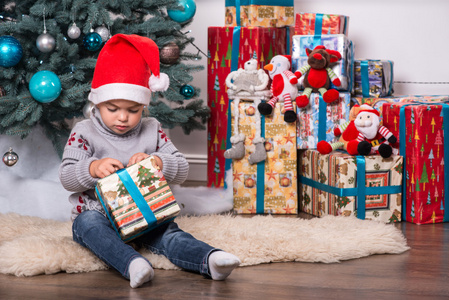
(283, 87)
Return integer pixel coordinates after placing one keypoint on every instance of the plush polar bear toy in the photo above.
(248, 83)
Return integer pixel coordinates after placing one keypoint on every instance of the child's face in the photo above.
(120, 115)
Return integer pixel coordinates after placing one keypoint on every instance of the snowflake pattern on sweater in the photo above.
(82, 142)
(90, 140)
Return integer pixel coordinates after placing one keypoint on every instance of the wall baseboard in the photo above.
(198, 167)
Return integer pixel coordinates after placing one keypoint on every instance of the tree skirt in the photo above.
(30, 245)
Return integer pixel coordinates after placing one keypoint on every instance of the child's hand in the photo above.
(104, 167)
(158, 161)
(138, 157)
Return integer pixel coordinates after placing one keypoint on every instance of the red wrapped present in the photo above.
(421, 128)
(307, 23)
(229, 48)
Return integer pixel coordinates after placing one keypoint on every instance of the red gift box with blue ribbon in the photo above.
(421, 128)
(229, 48)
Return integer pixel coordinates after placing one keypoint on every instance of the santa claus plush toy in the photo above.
(373, 138)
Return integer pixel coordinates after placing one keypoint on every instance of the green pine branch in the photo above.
(74, 65)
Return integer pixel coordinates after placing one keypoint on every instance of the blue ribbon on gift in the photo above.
(318, 29)
(361, 191)
(134, 192)
(260, 183)
(345, 28)
(322, 118)
(238, 3)
(235, 48)
(288, 39)
(365, 78)
(237, 12)
(142, 205)
(402, 138)
(361, 187)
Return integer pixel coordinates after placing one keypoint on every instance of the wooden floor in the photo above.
(421, 273)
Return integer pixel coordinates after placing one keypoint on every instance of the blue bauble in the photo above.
(182, 16)
(45, 86)
(92, 41)
(187, 91)
(10, 51)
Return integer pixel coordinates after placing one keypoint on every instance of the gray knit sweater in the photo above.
(91, 140)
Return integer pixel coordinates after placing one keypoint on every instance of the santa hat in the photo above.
(289, 58)
(127, 68)
(365, 108)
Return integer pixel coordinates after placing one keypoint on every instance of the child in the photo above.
(116, 136)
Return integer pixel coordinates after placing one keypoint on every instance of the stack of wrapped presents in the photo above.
(340, 144)
(251, 30)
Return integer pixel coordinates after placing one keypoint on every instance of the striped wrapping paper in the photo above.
(127, 216)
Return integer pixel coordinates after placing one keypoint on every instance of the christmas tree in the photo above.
(145, 177)
(64, 37)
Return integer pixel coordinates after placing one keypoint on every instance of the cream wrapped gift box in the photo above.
(263, 13)
(340, 184)
(137, 199)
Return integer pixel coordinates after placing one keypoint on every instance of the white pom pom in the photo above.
(160, 83)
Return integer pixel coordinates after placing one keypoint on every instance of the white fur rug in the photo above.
(30, 245)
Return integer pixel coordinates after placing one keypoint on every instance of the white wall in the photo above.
(414, 34)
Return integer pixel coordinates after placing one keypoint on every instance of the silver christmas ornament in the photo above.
(10, 158)
(73, 32)
(169, 54)
(103, 32)
(87, 109)
(45, 42)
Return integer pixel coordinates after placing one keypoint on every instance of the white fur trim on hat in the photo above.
(365, 108)
(159, 83)
(131, 92)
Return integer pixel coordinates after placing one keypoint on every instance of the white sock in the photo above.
(140, 271)
(221, 264)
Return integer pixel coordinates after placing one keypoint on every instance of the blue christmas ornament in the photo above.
(182, 16)
(45, 86)
(187, 91)
(10, 51)
(92, 41)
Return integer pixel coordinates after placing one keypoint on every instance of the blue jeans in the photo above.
(93, 230)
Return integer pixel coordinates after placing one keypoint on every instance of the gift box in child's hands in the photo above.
(137, 199)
